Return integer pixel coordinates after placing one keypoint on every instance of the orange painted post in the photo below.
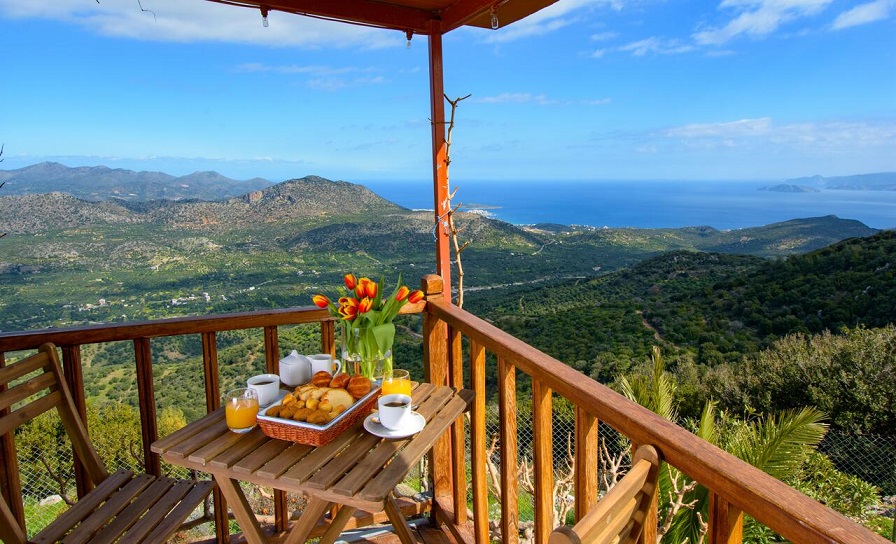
(439, 157)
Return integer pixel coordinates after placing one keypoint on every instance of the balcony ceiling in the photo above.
(417, 16)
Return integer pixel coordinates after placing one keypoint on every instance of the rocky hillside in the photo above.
(98, 183)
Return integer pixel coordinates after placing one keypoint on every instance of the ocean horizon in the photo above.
(649, 204)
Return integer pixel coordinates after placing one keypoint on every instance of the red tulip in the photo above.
(365, 305)
(350, 281)
(415, 297)
(321, 301)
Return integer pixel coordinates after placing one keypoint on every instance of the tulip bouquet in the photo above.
(366, 317)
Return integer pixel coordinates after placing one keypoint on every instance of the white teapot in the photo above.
(295, 369)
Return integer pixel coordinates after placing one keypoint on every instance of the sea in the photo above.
(724, 205)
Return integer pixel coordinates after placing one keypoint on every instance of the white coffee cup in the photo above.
(267, 386)
(394, 411)
(295, 369)
(325, 362)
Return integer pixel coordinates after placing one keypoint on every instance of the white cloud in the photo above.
(863, 14)
(195, 21)
(758, 18)
(604, 36)
(831, 136)
(657, 46)
(516, 98)
(539, 99)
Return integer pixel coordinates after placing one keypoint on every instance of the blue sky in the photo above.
(615, 89)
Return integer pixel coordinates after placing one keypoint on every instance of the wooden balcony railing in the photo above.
(455, 347)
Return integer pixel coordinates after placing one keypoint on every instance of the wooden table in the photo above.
(357, 469)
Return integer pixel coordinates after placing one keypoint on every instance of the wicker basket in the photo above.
(318, 435)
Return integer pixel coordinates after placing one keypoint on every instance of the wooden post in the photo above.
(477, 443)
(74, 379)
(212, 403)
(586, 462)
(147, 400)
(441, 203)
(272, 366)
(458, 442)
(543, 460)
(726, 522)
(510, 530)
(10, 482)
(435, 370)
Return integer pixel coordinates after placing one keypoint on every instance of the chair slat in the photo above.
(71, 517)
(164, 529)
(107, 512)
(28, 412)
(130, 515)
(16, 370)
(25, 389)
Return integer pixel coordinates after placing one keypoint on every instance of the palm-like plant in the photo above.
(778, 444)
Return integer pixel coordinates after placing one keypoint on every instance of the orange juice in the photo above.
(240, 412)
(399, 382)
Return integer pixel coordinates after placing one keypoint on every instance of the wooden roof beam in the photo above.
(460, 13)
(354, 11)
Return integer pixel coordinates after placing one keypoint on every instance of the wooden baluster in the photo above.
(477, 443)
(147, 400)
(328, 339)
(212, 403)
(10, 481)
(509, 454)
(726, 522)
(586, 462)
(543, 460)
(272, 366)
(458, 436)
(74, 379)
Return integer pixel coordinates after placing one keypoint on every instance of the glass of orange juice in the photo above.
(399, 381)
(240, 409)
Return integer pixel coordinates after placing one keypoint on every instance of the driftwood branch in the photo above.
(452, 227)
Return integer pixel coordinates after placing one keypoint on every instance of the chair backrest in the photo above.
(34, 385)
(620, 514)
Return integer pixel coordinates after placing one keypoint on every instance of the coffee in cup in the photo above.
(266, 386)
(394, 411)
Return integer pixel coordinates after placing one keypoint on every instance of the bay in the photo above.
(649, 204)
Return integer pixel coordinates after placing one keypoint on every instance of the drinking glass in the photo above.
(399, 381)
(241, 409)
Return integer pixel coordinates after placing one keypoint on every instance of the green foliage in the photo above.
(849, 376)
(849, 495)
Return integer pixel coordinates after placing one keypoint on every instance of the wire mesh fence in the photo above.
(48, 484)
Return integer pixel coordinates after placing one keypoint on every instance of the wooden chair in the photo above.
(619, 516)
(121, 507)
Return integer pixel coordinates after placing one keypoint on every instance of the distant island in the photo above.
(880, 181)
(788, 188)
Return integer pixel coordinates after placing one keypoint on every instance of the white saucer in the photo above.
(415, 425)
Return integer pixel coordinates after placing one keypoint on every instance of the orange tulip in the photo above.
(415, 297)
(348, 308)
(365, 305)
(402, 293)
(321, 301)
(350, 281)
(366, 288)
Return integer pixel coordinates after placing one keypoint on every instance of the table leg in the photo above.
(337, 525)
(241, 509)
(312, 512)
(399, 522)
